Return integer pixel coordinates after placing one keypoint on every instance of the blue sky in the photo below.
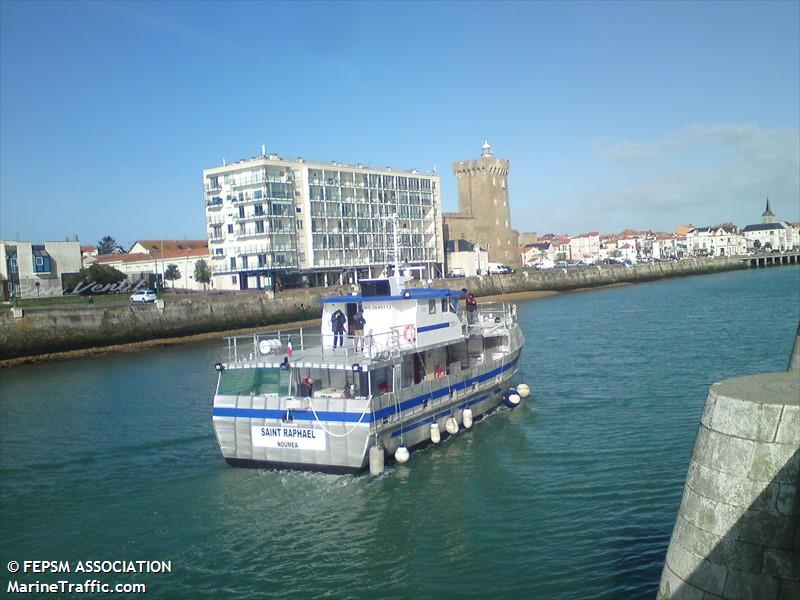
(613, 115)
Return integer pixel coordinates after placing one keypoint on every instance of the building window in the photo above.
(234, 279)
(241, 212)
(41, 260)
(230, 228)
(259, 226)
(233, 264)
(431, 307)
(299, 224)
(257, 194)
(262, 260)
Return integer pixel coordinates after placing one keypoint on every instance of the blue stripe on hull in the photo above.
(351, 417)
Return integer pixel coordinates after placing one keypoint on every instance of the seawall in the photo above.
(737, 533)
(73, 328)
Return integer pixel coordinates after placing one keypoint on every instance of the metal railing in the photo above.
(311, 344)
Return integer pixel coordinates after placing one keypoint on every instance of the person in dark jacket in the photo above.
(338, 322)
(306, 388)
(358, 329)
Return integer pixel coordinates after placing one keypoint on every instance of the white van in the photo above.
(498, 269)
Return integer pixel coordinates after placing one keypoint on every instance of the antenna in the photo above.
(263, 150)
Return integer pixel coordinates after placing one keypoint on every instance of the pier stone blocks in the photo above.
(737, 534)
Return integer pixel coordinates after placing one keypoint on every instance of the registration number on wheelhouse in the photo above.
(289, 438)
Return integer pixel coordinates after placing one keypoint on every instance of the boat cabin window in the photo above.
(431, 307)
(444, 305)
(375, 288)
(246, 382)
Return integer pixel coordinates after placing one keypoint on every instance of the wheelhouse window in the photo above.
(252, 382)
(431, 307)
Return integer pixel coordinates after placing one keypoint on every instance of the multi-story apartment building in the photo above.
(274, 221)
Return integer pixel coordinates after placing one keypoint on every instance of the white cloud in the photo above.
(701, 173)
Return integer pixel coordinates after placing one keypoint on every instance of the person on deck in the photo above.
(438, 372)
(338, 321)
(358, 329)
(306, 388)
(472, 307)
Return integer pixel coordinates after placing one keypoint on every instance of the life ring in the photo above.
(410, 334)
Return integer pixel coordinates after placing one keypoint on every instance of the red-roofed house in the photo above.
(140, 264)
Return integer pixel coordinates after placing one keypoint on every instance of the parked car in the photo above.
(144, 296)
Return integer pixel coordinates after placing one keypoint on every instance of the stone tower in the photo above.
(767, 216)
(484, 215)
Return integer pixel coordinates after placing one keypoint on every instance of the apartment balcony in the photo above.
(214, 204)
(249, 235)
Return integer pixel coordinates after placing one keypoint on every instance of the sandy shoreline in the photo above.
(219, 335)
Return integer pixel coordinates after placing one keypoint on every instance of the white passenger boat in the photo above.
(424, 368)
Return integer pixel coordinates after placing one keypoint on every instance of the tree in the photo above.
(757, 245)
(202, 274)
(107, 245)
(768, 246)
(172, 273)
(100, 274)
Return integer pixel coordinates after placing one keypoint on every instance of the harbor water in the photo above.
(571, 495)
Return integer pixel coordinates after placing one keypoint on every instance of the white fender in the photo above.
(401, 455)
(523, 390)
(375, 461)
(466, 418)
(436, 436)
(451, 425)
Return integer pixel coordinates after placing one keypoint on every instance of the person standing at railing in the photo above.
(472, 307)
(306, 388)
(338, 321)
(358, 329)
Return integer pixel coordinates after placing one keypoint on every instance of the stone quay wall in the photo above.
(737, 534)
(43, 331)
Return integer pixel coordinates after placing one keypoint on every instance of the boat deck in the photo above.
(309, 348)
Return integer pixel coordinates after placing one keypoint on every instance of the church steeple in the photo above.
(767, 216)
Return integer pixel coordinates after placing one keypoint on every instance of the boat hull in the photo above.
(335, 435)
